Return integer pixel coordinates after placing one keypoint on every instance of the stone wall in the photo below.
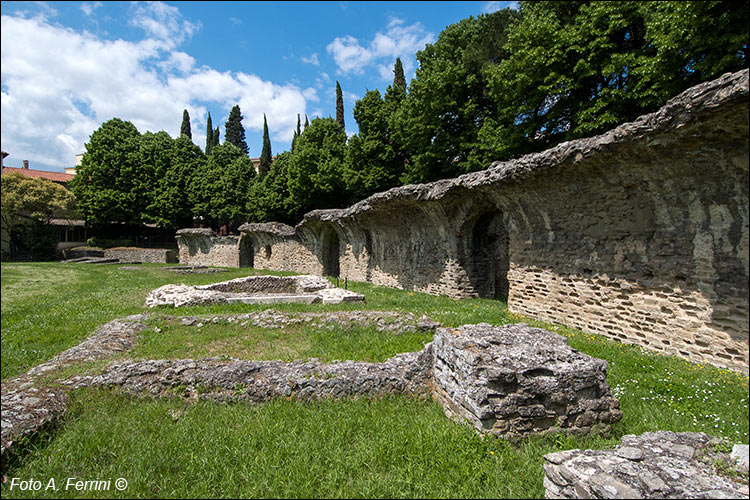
(134, 254)
(200, 247)
(639, 234)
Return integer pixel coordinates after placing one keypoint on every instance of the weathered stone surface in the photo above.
(138, 255)
(200, 247)
(516, 380)
(653, 465)
(28, 405)
(384, 321)
(639, 234)
(258, 381)
(253, 289)
(739, 456)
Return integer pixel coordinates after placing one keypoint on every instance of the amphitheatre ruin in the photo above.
(639, 235)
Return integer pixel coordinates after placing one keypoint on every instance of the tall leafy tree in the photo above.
(307, 122)
(265, 155)
(28, 205)
(209, 134)
(437, 124)
(339, 106)
(577, 69)
(172, 204)
(371, 164)
(234, 131)
(215, 137)
(185, 127)
(316, 168)
(269, 199)
(219, 190)
(110, 182)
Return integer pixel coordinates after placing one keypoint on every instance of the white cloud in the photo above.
(163, 22)
(88, 8)
(313, 59)
(398, 40)
(58, 90)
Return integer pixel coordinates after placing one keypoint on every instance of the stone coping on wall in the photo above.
(653, 465)
(663, 123)
(276, 228)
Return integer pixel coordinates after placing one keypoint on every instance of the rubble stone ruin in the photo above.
(639, 234)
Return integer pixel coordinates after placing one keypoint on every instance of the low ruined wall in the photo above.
(134, 254)
(200, 247)
(639, 234)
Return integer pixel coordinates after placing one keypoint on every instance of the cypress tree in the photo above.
(185, 128)
(235, 132)
(215, 137)
(307, 122)
(265, 155)
(399, 80)
(209, 134)
(296, 134)
(339, 106)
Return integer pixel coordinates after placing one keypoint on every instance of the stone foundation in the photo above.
(254, 289)
(653, 465)
(515, 380)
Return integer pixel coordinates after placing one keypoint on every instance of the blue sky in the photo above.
(67, 67)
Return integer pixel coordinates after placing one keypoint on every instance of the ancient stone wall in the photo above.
(134, 254)
(639, 234)
(200, 247)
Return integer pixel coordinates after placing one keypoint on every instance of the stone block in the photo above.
(516, 380)
(659, 464)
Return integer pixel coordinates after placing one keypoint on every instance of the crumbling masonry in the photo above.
(639, 234)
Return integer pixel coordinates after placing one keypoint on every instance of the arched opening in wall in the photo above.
(488, 256)
(247, 252)
(329, 246)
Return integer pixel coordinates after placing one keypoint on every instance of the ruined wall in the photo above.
(199, 247)
(639, 234)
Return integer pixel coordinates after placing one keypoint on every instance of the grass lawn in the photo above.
(389, 447)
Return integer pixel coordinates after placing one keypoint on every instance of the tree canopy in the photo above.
(234, 131)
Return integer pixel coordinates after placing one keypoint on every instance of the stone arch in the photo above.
(487, 259)
(247, 251)
(330, 251)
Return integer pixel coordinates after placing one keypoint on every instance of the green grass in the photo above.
(391, 447)
(359, 343)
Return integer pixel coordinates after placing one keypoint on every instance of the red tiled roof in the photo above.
(28, 172)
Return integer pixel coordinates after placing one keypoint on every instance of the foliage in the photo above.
(111, 182)
(268, 200)
(265, 155)
(399, 80)
(577, 69)
(297, 133)
(235, 132)
(438, 123)
(371, 164)
(339, 106)
(185, 127)
(219, 188)
(28, 204)
(209, 135)
(316, 168)
(172, 205)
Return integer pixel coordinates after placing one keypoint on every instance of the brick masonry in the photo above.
(639, 234)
